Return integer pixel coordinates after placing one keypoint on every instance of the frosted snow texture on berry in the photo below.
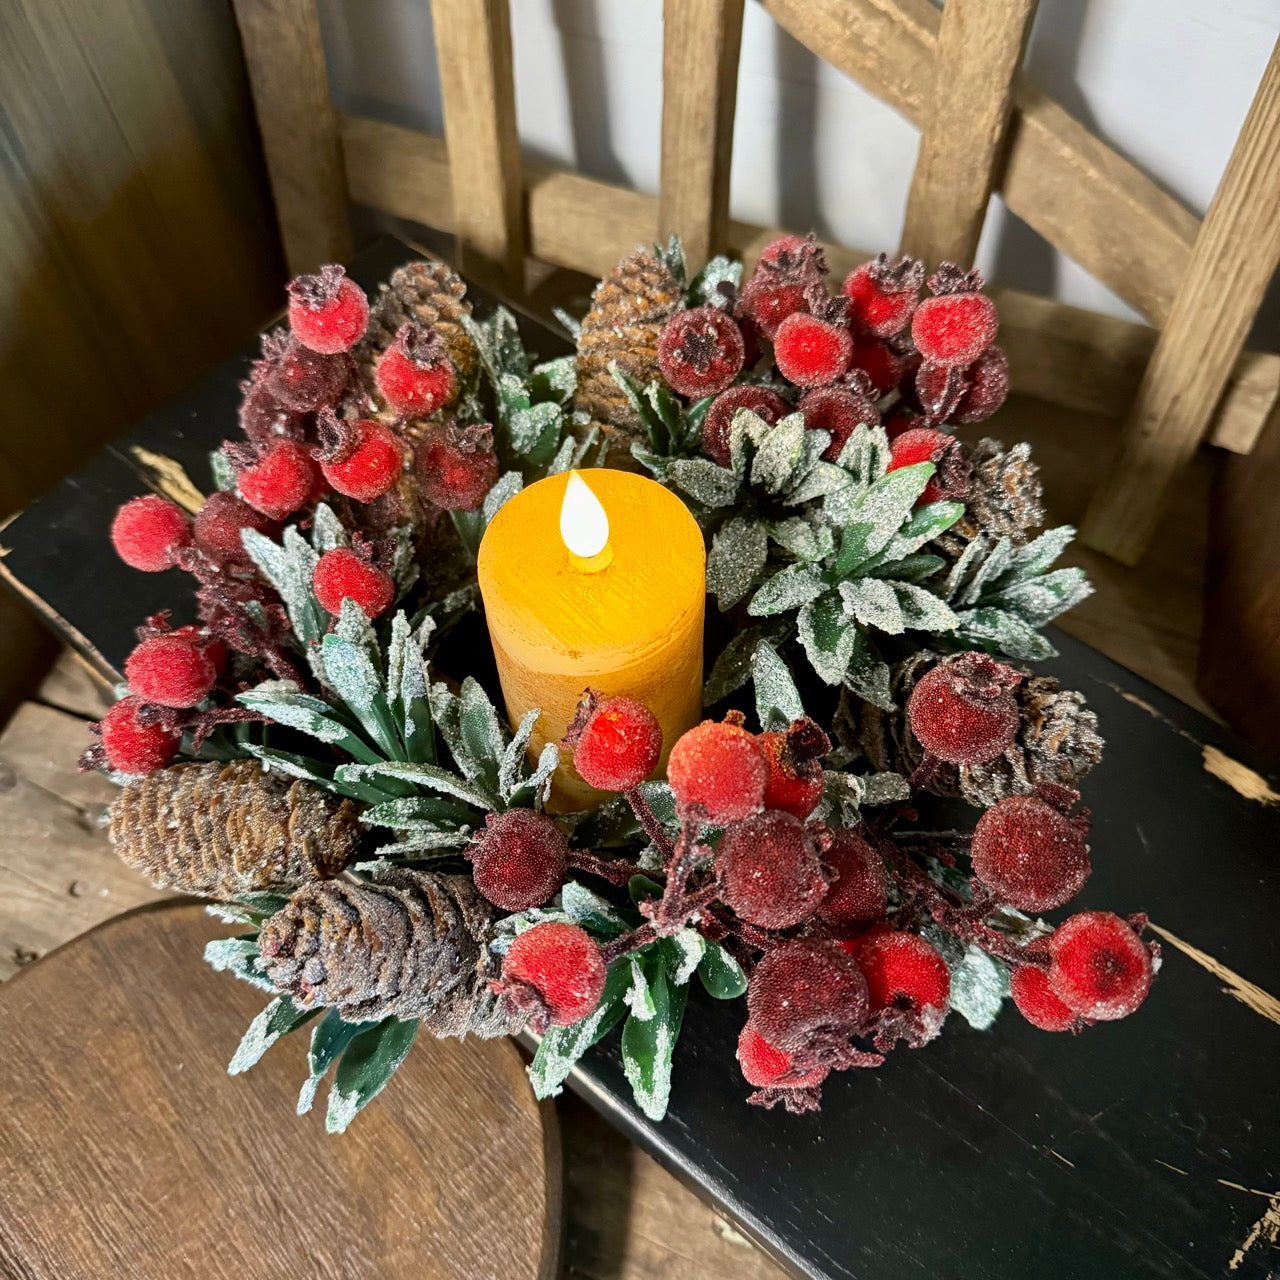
(518, 860)
(774, 1075)
(700, 351)
(810, 351)
(859, 890)
(554, 972)
(456, 466)
(762, 401)
(327, 311)
(958, 323)
(839, 412)
(807, 995)
(1099, 967)
(133, 742)
(963, 710)
(280, 481)
(1035, 1000)
(170, 670)
(616, 742)
(908, 985)
(344, 574)
(304, 380)
(718, 769)
(415, 374)
(1030, 854)
(769, 869)
(884, 294)
(218, 526)
(148, 531)
(361, 459)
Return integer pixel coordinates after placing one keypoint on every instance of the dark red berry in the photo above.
(768, 300)
(262, 416)
(959, 323)
(220, 522)
(811, 351)
(280, 481)
(962, 710)
(456, 466)
(148, 531)
(764, 1065)
(986, 387)
(883, 365)
(769, 869)
(616, 742)
(718, 769)
(555, 973)
(796, 778)
(904, 973)
(304, 380)
(717, 424)
(343, 574)
(899, 420)
(794, 255)
(1029, 853)
(415, 374)
(362, 460)
(807, 994)
(839, 412)
(132, 744)
(859, 890)
(700, 351)
(1034, 998)
(171, 670)
(1099, 967)
(518, 861)
(327, 311)
(883, 294)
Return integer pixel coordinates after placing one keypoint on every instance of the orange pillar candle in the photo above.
(595, 581)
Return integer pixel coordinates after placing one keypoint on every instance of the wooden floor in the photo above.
(627, 1218)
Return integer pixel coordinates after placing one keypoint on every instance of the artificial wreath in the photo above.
(318, 754)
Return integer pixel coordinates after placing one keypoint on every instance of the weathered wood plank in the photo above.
(285, 57)
(980, 47)
(700, 43)
(477, 85)
(1235, 256)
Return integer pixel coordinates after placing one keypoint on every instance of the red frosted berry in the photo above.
(518, 861)
(810, 350)
(1034, 998)
(904, 973)
(219, 523)
(768, 300)
(925, 444)
(959, 323)
(764, 1065)
(456, 466)
(171, 670)
(343, 574)
(717, 424)
(555, 973)
(718, 769)
(700, 351)
(883, 294)
(769, 870)
(899, 420)
(262, 416)
(616, 742)
(794, 255)
(132, 744)
(415, 374)
(986, 387)
(859, 890)
(304, 380)
(796, 779)
(962, 711)
(805, 994)
(148, 531)
(1029, 853)
(327, 311)
(280, 481)
(883, 365)
(839, 412)
(1099, 967)
(362, 459)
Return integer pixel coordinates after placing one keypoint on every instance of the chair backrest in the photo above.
(957, 75)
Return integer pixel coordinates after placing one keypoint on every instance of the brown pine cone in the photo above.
(218, 830)
(1057, 738)
(1005, 497)
(404, 944)
(628, 309)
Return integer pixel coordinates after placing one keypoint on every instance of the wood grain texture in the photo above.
(1235, 256)
(980, 47)
(477, 86)
(1067, 184)
(285, 57)
(176, 1168)
(700, 44)
(1063, 354)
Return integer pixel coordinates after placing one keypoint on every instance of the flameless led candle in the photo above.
(595, 581)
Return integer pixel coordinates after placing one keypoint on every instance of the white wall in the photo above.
(1167, 82)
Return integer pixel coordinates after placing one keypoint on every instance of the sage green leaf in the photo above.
(513, 762)
(790, 588)
(430, 776)
(867, 673)
(327, 531)
(647, 1045)
(874, 604)
(777, 458)
(827, 636)
(283, 703)
(721, 974)
(820, 481)
(555, 379)
(290, 568)
(480, 734)
(684, 952)
(732, 669)
(369, 1062)
(921, 609)
(702, 480)
(777, 698)
(561, 1047)
(866, 454)
(803, 538)
(1037, 555)
(736, 559)
(1002, 633)
(238, 956)
(590, 911)
(504, 489)
(328, 1039)
(274, 1023)
(639, 998)
(1037, 601)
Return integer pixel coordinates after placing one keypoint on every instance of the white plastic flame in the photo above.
(584, 524)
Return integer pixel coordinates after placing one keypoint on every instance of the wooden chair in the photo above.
(985, 127)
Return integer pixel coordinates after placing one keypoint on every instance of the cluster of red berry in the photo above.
(309, 434)
(875, 352)
(827, 922)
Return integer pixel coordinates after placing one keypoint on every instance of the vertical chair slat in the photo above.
(1235, 254)
(980, 48)
(299, 127)
(477, 85)
(700, 43)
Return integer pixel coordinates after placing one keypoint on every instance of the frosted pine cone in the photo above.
(1057, 738)
(628, 309)
(1005, 497)
(218, 830)
(405, 944)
